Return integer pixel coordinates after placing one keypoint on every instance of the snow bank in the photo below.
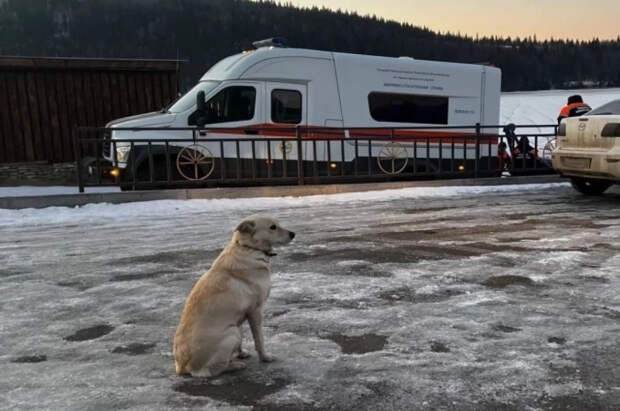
(100, 213)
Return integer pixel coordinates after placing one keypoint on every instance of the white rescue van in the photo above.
(273, 87)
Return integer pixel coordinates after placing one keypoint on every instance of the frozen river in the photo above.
(494, 298)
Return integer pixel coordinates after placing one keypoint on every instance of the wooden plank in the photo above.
(53, 116)
(174, 84)
(140, 93)
(19, 145)
(34, 105)
(80, 100)
(134, 107)
(89, 98)
(148, 94)
(7, 143)
(64, 115)
(124, 95)
(46, 134)
(98, 102)
(162, 80)
(25, 119)
(74, 113)
(38, 147)
(106, 96)
(158, 99)
(115, 94)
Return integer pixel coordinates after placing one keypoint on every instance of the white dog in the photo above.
(208, 339)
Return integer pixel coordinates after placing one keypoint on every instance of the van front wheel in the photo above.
(591, 187)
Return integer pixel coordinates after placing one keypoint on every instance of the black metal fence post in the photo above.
(300, 159)
(78, 160)
(477, 159)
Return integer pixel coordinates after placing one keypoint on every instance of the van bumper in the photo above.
(587, 164)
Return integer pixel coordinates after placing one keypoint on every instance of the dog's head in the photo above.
(262, 233)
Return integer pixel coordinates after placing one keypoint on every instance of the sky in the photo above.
(558, 19)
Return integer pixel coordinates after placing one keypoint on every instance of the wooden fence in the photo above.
(42, 99)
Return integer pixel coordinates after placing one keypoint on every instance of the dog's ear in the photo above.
(247, 227)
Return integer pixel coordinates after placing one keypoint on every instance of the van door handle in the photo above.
(250, 131)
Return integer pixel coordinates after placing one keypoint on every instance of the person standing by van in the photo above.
(574, 107)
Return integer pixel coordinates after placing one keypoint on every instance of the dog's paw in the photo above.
(236, 366)
(266, 358)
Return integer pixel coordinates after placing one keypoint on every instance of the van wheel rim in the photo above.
(393, 158)
(195, 162)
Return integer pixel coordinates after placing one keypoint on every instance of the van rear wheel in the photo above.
(590, 186)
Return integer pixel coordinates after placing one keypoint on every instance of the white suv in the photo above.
(588, 149)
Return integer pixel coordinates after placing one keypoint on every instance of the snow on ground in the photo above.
(543, 107)
(94, 213)
(462, 298)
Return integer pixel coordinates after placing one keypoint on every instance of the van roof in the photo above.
(233, 67)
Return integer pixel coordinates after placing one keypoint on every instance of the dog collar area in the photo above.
(267, 253)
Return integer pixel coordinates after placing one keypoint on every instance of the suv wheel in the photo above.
(591, 187)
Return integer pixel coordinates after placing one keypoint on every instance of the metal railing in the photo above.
(141, 158)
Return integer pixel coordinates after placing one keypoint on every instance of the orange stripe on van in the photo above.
(327, 133)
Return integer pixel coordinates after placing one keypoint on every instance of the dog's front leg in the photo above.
(255, 318)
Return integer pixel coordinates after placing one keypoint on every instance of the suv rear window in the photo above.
(613, 107)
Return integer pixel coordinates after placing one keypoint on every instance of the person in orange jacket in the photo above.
(573, 108)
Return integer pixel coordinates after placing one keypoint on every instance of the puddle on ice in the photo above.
(140, 276)
(30, 358)
(409, 295)
(134, 349)
(233, 390)
(505, 328)
(437, 346)
(360, 344)
(502, 281)
(556, 340)
(90, 333)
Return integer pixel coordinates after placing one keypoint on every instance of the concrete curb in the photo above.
(72, 200)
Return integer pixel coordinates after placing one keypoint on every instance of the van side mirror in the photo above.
(201, 103)
(201, 109)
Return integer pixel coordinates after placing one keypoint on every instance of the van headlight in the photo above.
(122, 153)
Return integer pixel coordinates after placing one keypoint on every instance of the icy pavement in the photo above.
(490, 298)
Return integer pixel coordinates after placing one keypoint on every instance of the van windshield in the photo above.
(188, 100)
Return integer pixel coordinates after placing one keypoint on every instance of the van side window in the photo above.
(408, 108)
(234, 103)
(286, 106)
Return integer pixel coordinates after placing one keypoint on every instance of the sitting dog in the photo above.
(208, 339)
